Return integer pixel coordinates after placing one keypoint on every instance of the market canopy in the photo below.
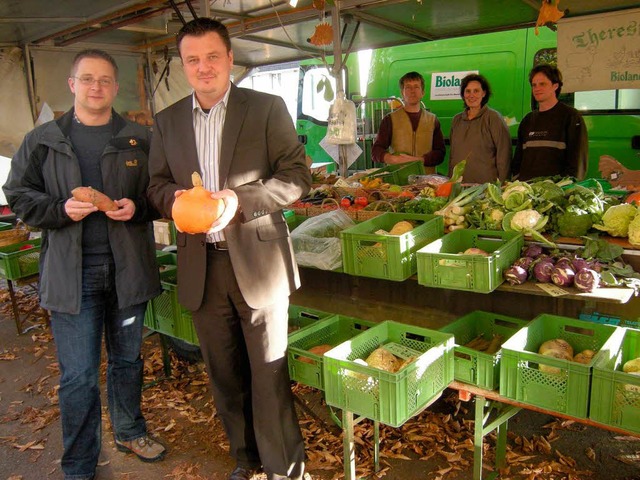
(269, 32)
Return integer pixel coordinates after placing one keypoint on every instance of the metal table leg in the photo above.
(484, 425)
(348, 423)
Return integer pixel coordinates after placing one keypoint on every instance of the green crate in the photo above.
(306, 367)
(302, 317)
(615, 395)
(390, 398)
(5, 226)
(441, 263)
(390, 257)
(473, 366)
(398, 174)
(16, 263)
(566, 391)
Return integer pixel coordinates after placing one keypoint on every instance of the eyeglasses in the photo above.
(89, 81)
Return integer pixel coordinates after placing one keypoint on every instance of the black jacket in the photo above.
(43, 173)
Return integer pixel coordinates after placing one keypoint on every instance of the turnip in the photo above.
(586, 280)
(562, 276)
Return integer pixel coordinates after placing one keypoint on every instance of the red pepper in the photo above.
(444, 189)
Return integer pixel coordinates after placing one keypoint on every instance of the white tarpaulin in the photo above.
(15, 112)
(600, 52)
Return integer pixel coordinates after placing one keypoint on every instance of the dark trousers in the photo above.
(245, 354)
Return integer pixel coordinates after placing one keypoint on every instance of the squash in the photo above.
(95, 197)
(401, 227)
(319, 350)
(195, 211)
(556, 344)
(584, 357)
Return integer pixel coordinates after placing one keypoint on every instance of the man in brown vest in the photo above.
(410, 133)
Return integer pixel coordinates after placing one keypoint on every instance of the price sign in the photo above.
(552, 289)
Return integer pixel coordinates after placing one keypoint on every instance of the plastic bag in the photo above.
(316, 241)
(341, 129)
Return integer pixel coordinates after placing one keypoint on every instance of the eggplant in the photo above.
(515, 275)
(586, 280)
(534, 250)
(562, 276)
(542, 270)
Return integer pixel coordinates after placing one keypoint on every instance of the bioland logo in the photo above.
(446, 85)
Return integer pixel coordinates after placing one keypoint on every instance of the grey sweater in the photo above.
(486, 144)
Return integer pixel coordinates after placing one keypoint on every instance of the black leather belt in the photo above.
(217, 245)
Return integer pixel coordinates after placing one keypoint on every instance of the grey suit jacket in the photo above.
(262, 160)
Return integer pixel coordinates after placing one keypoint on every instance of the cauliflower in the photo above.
(616, 220)
(634, 230)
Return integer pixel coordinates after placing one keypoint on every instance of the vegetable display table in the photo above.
(493, 411)
(31, 283)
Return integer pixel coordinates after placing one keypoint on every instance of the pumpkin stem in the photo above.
(196, 179)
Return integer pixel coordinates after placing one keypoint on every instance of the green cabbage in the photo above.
(616, 220)
(634, 230)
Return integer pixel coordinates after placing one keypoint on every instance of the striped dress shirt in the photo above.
(207, 127)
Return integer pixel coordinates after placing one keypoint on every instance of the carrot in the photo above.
(444, 189)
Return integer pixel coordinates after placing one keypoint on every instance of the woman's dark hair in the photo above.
(201, 26)
(411, 76)
(484, 83)
(549, 71)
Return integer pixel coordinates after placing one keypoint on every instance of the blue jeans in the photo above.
(78, 341)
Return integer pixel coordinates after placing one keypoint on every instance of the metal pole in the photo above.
(30, 87)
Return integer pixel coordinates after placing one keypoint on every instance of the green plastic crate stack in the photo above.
(20, 260)
(443, 264)
(305, 366)
(366, 253)
(565, 385)
(477, 367)
(398, 174)
(164, 313)
(615, 395)
(390, 398)
(301, 317)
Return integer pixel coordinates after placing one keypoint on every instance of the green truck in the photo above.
(504, 58)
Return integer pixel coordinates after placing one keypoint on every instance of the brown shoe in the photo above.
(145, 448)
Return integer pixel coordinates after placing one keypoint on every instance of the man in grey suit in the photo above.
(237, 278)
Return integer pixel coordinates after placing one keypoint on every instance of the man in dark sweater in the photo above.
(553, 139)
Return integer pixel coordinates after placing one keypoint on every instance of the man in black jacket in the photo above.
(553, 139)
(97, 269)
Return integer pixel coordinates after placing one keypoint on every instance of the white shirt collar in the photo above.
(224, 100)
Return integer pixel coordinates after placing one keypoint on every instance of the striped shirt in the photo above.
(207, 127)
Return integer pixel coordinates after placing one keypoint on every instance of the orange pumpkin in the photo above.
(634, 198)
(194, 211)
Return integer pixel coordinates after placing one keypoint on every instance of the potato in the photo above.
(91, 195)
